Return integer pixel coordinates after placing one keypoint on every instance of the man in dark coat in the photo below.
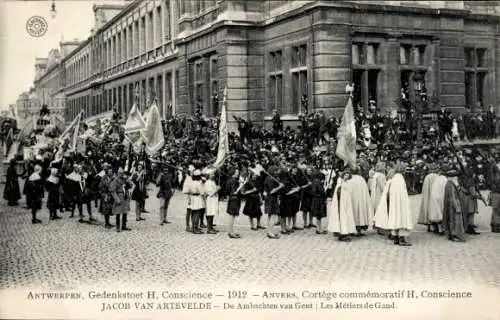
(165, 192)
(12, 192)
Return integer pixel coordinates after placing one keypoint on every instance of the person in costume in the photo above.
(139, 192)
(75, 191)
(318, 203)
(436, 203)
(120, 191)
(106, 202)
(34, 193)
(53, 197)
(165, 192)
(468, 200)
(212, 200)
(361, 205)
(307, 197)
(185, 187)
(425, 204)
(252, 200)
(339, 209)
(394, 211)
(234, 186)
(195, 192)
(12, 192)
(271, 202)
(494, 199)
(453, 218)
(376, 183)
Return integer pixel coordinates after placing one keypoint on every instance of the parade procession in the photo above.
(332, 177)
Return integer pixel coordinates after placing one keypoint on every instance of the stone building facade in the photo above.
(285, 55)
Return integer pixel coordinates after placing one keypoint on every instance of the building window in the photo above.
(214, 87)
(198, 85)
(159, 93)
(168, 97)
(150, 32)
(131, 95)
(130, 43)
(136, 39)
(166, 31)
(365, 74)
(476, 70)
(143, 36)
(413, 72)
(182, 7)
(124, 45)
(299, 79)
(275, 81)
(119, 48)
(158, 28)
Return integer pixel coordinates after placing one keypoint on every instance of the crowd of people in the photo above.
(282, 172)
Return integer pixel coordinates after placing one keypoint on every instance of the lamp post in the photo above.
(53, 11)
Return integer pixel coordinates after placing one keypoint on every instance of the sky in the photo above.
(18, 49)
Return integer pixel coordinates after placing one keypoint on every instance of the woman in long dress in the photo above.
(12, 192)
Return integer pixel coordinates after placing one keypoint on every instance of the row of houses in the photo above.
(283, 55)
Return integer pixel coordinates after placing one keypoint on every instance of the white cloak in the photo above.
(212, 199)
(340, 215)
(361, 205)
(425, 206)
(376, 186)
(436, 200)
(398, 215)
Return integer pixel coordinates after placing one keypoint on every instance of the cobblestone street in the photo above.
(64, 253)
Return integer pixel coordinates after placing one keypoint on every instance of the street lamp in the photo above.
(53, 11)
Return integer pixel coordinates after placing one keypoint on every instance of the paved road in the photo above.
(63, 254)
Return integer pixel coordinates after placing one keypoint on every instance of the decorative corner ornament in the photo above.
(36, 26)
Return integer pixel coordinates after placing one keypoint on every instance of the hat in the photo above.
(451, 172)
(197, 172)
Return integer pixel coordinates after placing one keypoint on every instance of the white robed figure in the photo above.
(394, 211)
(436, 202)
(425, 204)
(212, 199)
(376, 184)
(454, 130)
(340, 212)
(361, 205)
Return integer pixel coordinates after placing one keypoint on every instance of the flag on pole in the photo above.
(135, 122)
(346, 137)
(72, 133)
(27, 129)
(223, 148)
(153, 135)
